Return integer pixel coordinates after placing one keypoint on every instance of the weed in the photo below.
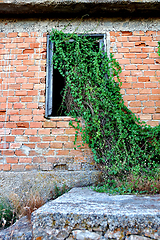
(7, 213)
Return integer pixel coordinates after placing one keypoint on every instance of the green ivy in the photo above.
(118, 139)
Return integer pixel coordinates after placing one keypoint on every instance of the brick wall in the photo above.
(28, 141)
(137, 54)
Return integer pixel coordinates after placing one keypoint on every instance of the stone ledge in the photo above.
(44, 182)
(84, 214)
(75, 8)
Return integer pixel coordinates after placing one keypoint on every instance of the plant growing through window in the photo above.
(119, 140)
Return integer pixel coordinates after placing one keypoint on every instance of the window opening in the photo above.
(55, 81)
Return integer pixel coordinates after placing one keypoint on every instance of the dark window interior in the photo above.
(58, 85)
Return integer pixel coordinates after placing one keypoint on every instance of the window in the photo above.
(55, 82)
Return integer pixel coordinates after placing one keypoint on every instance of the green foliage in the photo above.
(7, 214)
(118, 139)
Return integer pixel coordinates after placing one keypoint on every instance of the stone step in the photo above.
(44, 182)
(84, 214)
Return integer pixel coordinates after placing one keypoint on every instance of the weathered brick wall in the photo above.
(28, 141)
(137, 54)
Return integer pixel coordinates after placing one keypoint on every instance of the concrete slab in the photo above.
(75, 8)
(83, 209)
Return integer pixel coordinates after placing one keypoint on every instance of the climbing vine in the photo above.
(118, 139)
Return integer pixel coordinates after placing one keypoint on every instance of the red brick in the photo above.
(58, 131)
(148, 110)
(26, 118)
(140, 44)
(44, 131)
(123, 50)
(56, 145)
(25, 111)
(35, 125)
(156, 117)
(25, 160)
(148, 104)
(13, 99)
(151, 85)
(153, 123)
(23, 34)
(21, 80)
(17, 132)
(33, 93)
(14, 118)
(20, 153)
(142, 67)
(154, 97)
(34, 45)
(12, 35)
(147, 49)
(135, 50)
(23, 125)
(143, 79)
(126, 85)
(158, 110)
(63, 152)
(23, 45)
(26, 99)
(18, 167)
(129, 55)
(6, 167)
(128, 97)
(34, 34)
(118, 56)
(32, 105)
(131, 91)
(26, 51)
(28, 62)
(10, 125)
(155, 91)
(145, 116)
(38, 160)
(50, 152)
(39, 118)
(48, 138)
(31, 167)
(21, 93)
(15, 145)
(144, 91)
(72, 138)
(142, 97)
(4, 145)
(135, 104)
(27, 86)
(7, 152)
(11, 160)
(136, 110)
(19, 105)
(22, 139)
(43, 145)
(30, 145)
(49, 124)
(134, 39)
(18, 40)
(22, 57)
(8, 138)
(76, 153)
(154, 67)
(2, 34)
(31, 131)
(34, 139)
(69, 145)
